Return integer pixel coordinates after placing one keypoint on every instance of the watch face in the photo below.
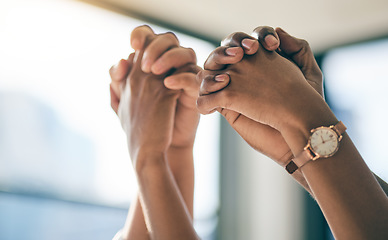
(324, 142)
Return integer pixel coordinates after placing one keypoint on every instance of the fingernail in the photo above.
(247, 43)
(155, 69)
(270, 40)
(232, 51)
(221, 78)
(135, 44)
(169, 81)
(145, 66)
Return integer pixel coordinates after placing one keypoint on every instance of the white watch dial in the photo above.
(324, 142)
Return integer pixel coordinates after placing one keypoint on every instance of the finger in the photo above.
(185, 81)
(299, 51)
(209, 103)
(213, 83)
(118, 74)
(267, 37)
(191, 68)
(255, 134)
(174, 58)
(240, 39)
(222, 56)
(156, 48)
(118, 71)
(140, 36)
(114, 100)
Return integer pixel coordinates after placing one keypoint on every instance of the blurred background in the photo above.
(65, 172)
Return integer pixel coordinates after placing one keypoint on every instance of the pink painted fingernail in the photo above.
(247, 43)
(232, 51)
(221, 78)
(270, 40)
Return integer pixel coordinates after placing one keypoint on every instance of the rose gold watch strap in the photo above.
(340, 128)
(299, 161)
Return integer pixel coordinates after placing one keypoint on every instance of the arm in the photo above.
(346, 190)
(262, 137)
(382, 183)
(269, 89)
(145, 99)
(162, 53)
(294, 49)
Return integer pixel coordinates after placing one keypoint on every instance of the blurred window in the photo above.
(356, 85)
(59, 138)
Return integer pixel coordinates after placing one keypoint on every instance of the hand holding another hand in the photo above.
(164, 55)
(260, 136)
(146, 111)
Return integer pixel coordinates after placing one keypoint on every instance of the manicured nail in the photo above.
(221, 78)
(247, 43)
(270, 40)
(232, 51)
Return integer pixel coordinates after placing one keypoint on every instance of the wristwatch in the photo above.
(323, 143)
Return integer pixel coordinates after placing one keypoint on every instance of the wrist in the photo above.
(180, 159)
(177, 150)
(297, 134)
(149, 159)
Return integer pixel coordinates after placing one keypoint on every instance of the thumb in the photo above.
(299, 51)
(212, 84)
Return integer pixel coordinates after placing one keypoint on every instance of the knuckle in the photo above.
(199, 76)
(192, 54)
(304, 44)
(170, 36)
(111, 71)
(200, 104)
(262, 31)
(234, 39)
(141, 29)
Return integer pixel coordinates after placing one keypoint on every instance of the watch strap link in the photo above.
(340, 128)
(307, 154)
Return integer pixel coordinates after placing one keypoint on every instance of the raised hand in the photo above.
(163, 55)
(146, 111)
(176, 69)
(260, 136)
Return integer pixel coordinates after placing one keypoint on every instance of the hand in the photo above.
(163, 54)
(146, 111)
(259, 91)
(260, 136)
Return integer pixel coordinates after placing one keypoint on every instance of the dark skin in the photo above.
(270, 141)
(269, 89)
(162, 50)
(294, 49)
(162, 54)
(136, 227)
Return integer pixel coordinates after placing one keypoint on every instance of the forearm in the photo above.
(180, 161)
(165, 212)
(382, 183)
(135, 228)
(181, 164)
(347, 192)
